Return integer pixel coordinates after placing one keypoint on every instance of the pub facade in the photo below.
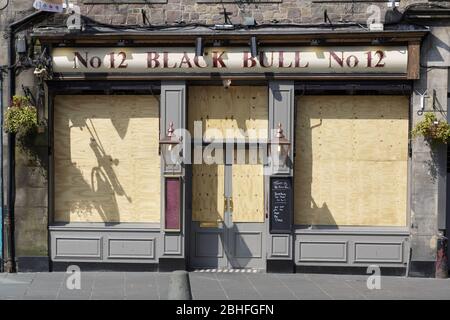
(230, 147)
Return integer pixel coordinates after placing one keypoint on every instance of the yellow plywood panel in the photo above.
(229, 112)
(248, 188)
(208, 192)
(107, 167)
(351, 163)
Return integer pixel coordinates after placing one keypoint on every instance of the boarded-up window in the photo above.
(237, 112)
(107, 167)
(351, 160)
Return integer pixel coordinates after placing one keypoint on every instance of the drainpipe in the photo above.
(10, 192)
(1, 169)
(10, 265)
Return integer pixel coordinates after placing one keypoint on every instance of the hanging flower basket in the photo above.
(21, 117)
(432, 129)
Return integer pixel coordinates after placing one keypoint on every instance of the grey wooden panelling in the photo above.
(323, 251)
(119, 243)
(351, 247)
(173, 244)
(209, 245)
(378, 251)
(280, 246)
(78, 247)
(120, 248)
(248, 244)
(281, 110)
(173, 109)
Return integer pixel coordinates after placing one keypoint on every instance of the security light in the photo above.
(199, 47)
(253, 47)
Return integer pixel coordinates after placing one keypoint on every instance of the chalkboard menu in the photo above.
(281, 205)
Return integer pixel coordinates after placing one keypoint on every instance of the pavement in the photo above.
(218, 286)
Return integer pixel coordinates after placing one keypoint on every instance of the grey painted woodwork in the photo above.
(97, 242)
(281, 110)
(386, 247)
(173, 109)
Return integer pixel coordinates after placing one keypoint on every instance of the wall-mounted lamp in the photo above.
(199, 49)
(167, 145)
(253, 47)
(376, 42)
(217, 43)
(249, 22)
(393, 3)
(226, 83)
(278, 147)
(423, 96)
(317, 42)
(21, 44)
(123, 43)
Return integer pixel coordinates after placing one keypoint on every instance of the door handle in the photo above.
(228, 204)
(231, 204)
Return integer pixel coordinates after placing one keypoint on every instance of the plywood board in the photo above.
(107, 167)
(231, 112)
(351, 160)
(208, 192)
(248, 190)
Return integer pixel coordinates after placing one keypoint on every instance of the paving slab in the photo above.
(206, 287)
(237, 286)
(218, 286)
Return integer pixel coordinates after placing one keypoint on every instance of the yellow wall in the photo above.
(107, 167)
(351, 160)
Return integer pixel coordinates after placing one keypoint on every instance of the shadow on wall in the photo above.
(89, 195)
(321, 215)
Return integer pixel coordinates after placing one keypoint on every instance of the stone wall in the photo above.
(31, 182)
(194, 11)
(429, 164)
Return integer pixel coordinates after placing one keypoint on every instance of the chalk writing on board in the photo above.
(281, 205)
